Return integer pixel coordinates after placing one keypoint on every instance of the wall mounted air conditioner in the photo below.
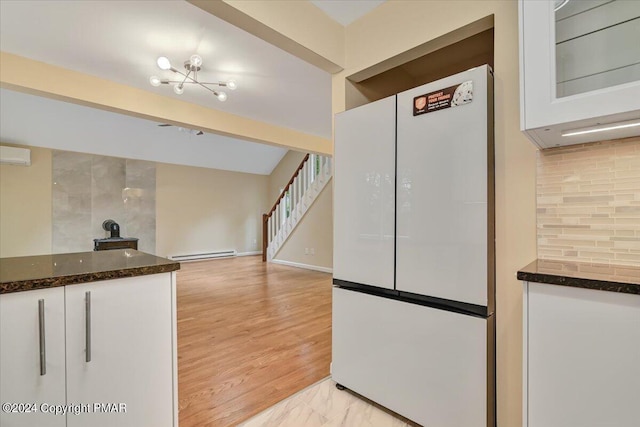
(15, 156)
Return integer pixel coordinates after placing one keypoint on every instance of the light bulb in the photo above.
(195, 60)
(178, 89)
(232, 85)
(164, 63)
(155, 81)
(222, 96)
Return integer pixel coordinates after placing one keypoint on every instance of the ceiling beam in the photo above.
(297, 27)
(29, 76)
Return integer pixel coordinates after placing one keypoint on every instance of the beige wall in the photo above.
(281, 174)
(589, 202)
(313, 231)
(397, 26)
(25, 206)
(201, 209)
(197, 209)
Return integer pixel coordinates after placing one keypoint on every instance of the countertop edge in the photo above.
(607, 285)
(75, 279)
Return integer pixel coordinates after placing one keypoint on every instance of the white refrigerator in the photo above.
(413, 297)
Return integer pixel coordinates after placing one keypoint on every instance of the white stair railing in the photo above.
(305, 185)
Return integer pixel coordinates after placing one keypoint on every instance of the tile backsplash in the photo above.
(588, 202)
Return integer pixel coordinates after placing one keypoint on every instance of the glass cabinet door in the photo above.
(579, 70)
(597, 44)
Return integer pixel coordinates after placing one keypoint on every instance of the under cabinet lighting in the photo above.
(559, 4)
(602, 128)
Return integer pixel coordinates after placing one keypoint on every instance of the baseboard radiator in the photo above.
(204, 255)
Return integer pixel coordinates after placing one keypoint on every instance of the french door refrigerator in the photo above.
(413, 296)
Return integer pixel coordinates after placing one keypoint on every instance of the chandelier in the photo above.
(192, 66)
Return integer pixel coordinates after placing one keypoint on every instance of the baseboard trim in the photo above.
(249, 253)
(305, 266)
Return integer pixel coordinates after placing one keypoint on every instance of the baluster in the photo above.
(314, 169)
(293, 195)
(310, 170)
(275, 223)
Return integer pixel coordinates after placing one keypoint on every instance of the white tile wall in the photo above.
(88, 189)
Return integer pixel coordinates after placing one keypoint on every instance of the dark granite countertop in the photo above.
(49, 271)
(604, 277)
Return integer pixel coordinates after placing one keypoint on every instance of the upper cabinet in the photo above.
(579, 70)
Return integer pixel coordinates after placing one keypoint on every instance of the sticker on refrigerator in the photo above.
(444, 98)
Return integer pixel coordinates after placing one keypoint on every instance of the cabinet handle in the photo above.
(43, 349)
(87, 307)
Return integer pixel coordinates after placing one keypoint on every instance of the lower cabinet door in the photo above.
(583, 357)
(32, 368)
(119, 352)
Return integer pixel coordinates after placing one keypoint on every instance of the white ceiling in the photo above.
(55, 124)
(347, 11)
(121, 40)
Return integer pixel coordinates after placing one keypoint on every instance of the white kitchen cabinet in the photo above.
(130, 342)
(26, 376)
(107, 342)
(579, 70)
(582, 349)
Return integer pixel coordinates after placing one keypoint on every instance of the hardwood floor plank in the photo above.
(249, 335)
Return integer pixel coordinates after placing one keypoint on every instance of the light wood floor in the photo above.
(249, 335)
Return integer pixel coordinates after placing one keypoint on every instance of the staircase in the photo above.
(307, 182)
